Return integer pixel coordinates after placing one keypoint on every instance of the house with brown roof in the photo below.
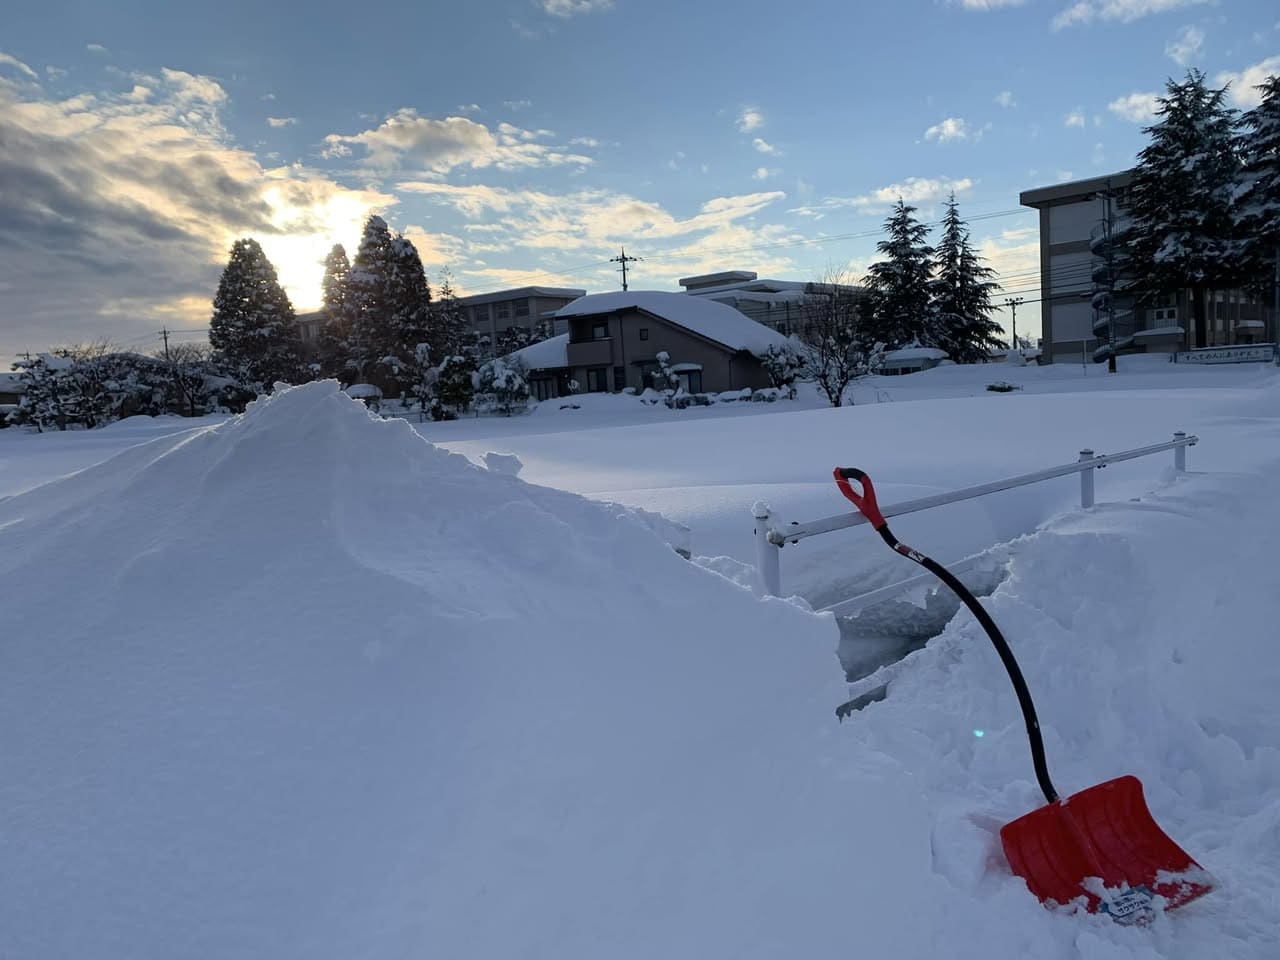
(614, 339)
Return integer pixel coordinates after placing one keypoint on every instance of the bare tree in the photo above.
(836, 335)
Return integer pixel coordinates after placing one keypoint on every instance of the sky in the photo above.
(522, 142)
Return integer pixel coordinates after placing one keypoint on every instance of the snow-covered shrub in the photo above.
(504, 384)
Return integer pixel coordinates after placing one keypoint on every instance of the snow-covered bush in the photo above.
(503, 383)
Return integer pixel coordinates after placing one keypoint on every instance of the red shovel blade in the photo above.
(1103, 832)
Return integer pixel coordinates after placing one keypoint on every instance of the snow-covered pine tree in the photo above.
(962, 290)
(252, 331)
(336, 330)
(1182, 229)
(390, 308)
(409, 324)
(1258, 206)
(451, 332)
(899, 285)
(369, 300)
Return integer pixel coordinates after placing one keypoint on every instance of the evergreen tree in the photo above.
(336, 331)
(901, 307)
(962, 294)
(1258, 208)
(253, 332)
(1182, 230)
(390, 306)
(451, 332)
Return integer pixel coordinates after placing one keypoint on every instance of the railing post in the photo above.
(768, 572)
(1086, 480)
(1180, 454)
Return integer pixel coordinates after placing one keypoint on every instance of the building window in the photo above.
(598, 380)
(600, 330)
(644, 333)
(502, 311)
(619, 378)
(691, 381)
(522, 308)
(481, 313)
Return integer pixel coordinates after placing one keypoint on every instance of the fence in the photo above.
(771, 539)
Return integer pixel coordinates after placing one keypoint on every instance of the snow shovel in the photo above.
(1101, 843)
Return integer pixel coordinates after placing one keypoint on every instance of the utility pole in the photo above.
(624, 260)
(1012, 304)
(164, 332)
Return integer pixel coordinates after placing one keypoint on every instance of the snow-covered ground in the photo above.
(300, 684)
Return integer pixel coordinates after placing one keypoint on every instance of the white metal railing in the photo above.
(771, 539)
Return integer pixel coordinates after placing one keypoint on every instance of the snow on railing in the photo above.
(771, 539)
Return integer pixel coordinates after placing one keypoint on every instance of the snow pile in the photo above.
(303, 685)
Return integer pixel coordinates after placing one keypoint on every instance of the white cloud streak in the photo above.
(12, 61)
(952, 128)
(573, 8)
(1122, 11)
(1136, 107)
(1243, 83)
(750, 119)
(1185, 48)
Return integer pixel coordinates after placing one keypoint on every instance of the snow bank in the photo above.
(304, 685)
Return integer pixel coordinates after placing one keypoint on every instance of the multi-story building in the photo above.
(775, 303)
(492, 314)
(1086, 306)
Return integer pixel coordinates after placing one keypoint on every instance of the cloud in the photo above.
(914, 190)
(763, 146)
(1123, 11)
(952, 128)
(516, 105)
(12, 61)
(466, 108)
(1005, 99)
(764, 173)
(1186, 47)
(1243, 93)
(591, 142)
(118, 210)
(1136, 107)
(95, 48)
(1074, 119)
(984, 5)
(407, 141)
(572, 8)
(282, 121)
(750, 119)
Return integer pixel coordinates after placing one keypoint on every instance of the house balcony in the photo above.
(590, 353)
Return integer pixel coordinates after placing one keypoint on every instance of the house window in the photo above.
(502, 311)
(691, 380)
(644, 333)
(543, 388)
(598, 380)
(619, 378)
(600, 330)
(481, 313)
(522, 308)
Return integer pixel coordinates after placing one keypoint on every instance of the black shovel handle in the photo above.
(865, 501)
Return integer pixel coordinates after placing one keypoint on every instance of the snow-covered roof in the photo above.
(1158, 332)
(707, 318)
(545, 355)
(11, 383)
(909, 354)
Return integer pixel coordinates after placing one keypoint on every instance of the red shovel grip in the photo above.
(864, 501)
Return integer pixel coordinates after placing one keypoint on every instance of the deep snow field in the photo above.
(301, 683)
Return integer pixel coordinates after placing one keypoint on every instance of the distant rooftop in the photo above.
(717, 279)
(521, 293)
(1074, 190)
